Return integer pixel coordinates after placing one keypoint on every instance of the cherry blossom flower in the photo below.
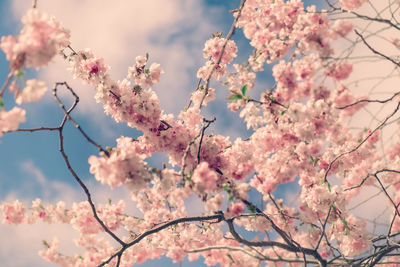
(340, 71)
(341, 28)
(352, 4)
(34, 90)
(204, 178)
(212, 49)
(38, 42)
(10, 120)
(124, 165)
(13, 213)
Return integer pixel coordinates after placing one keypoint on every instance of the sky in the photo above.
(173, 33)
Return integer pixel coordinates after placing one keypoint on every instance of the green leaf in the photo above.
(235, 97)
(272, 98)
(329, 186)
(225, 187)
(137, 88)
(346, 232)
(333, 207)
(359, 140)
(1, 102)
(344, 222)
(147, 56)
(314, 161)
(244, 89)
(154, 170)
(20, 73)
(283, 112)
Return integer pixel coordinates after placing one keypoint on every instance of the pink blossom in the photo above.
(142, 76)
(34, 90)
(191, 116)
(197, 96)
(214, 203)
(124, 165)
(83, 219)
(204, 178)
(88, 67)
(236, 208)
(395, 42)
(38, 42)
(351, 234)
(340, 70)
(10, 120)
(51, 254)
(204, 71)
(298, 130)
(344, 97)
(352, 4)
(341, 28)
(13, 213)
(212, 49)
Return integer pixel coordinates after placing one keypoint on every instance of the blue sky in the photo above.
(31, 165)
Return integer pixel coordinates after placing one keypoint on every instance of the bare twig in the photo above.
(370, 101)
(206, 124)
(376, 51)
(6, 83)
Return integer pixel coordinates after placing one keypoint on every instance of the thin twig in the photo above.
(370, 101)
(218, 217)
(375, 51)
(6, 83)
(228, 37)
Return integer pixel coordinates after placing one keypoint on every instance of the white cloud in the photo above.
(20, 244)
(29, 167)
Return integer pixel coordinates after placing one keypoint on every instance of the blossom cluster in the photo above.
(124, 165)
(298, 136)
(41, 38)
